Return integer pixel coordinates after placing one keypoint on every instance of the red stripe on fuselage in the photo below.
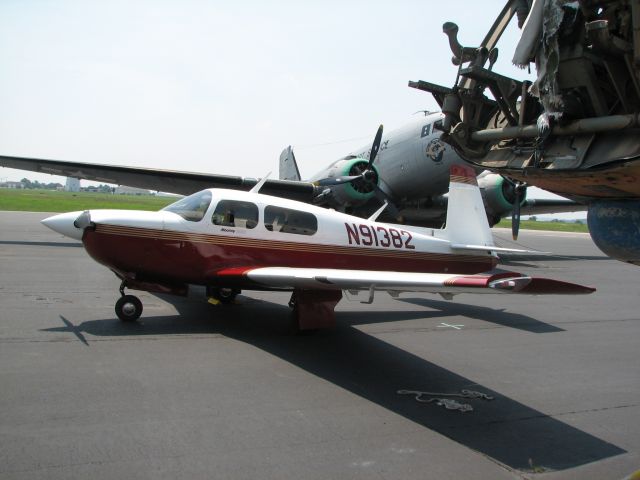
(196, 258)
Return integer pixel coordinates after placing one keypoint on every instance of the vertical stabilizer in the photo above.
(288, 166)
(466, 217)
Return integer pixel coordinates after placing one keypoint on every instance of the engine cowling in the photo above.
(350, 194)
(498, 196)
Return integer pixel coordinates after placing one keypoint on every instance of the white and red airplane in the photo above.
(230, 239)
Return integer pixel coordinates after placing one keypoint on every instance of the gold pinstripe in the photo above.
(224, 240)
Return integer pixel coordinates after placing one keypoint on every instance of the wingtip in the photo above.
(545, 286)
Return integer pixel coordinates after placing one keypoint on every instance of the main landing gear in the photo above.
(128, 307)
(314, 309)
(222, 295)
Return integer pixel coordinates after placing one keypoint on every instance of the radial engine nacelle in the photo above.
(498, 196)
(349, 194)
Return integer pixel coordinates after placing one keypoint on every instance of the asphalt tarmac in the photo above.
(198, 391)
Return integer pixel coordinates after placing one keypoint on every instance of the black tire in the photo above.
(224, 295)
(128, 308)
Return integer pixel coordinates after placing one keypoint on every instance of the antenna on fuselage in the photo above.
(256, 188)
(377, 213)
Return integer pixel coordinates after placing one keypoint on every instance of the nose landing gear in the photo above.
(128, 307)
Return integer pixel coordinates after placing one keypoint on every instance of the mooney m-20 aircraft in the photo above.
(408, 168)
(229, 240)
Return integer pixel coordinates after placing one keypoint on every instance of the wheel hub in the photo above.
(129, 309)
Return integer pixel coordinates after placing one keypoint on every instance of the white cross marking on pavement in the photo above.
(445, 325)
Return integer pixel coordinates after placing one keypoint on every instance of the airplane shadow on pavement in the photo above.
(492, 315)
(506, 430)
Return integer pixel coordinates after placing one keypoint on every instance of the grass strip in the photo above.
(59, 202)
(550, 226)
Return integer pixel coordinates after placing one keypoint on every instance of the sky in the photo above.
(218, 86)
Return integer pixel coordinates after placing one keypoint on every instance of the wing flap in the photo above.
(541, 206)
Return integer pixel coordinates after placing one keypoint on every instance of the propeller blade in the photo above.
(384, 198)
(330, 181)
(515, 218)
(375, 146)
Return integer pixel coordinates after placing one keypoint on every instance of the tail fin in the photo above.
(288, 166)
(467, 223)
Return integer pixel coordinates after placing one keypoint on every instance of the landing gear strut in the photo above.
(128, 307)
(313, 309)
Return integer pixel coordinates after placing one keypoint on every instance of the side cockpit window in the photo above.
(286, 220)
(233, 213)
(193, 207)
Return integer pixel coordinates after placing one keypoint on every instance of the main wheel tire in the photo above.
(224, 295)
(128, 308)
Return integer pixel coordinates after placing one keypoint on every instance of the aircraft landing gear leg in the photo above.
(128, 307)
(314, 309)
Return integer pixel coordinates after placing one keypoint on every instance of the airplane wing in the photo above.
(171, 181)
(540, 206)
(334, 279)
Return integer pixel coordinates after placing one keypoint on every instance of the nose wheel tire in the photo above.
(128, 308)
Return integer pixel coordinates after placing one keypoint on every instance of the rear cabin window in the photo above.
(193, 207)
(285, 220)
(233, 213)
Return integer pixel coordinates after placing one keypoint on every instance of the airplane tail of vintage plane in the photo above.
(288, 165)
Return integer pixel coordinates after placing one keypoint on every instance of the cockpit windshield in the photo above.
(193, 207)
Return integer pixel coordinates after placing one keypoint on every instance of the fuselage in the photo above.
(413, 162)
(213, 230)
(412, 165)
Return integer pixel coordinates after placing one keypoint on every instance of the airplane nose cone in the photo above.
(65, 223)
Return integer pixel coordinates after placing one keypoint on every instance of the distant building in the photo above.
(12, 185)
(73, 185)
(122, 190)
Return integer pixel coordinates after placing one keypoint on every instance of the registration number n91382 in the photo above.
(378, 236)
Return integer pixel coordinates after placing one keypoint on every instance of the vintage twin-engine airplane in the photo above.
(228, 239)
(408, 168)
